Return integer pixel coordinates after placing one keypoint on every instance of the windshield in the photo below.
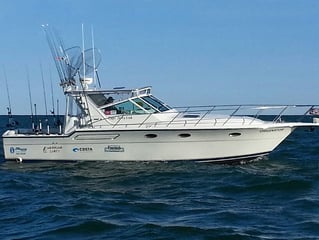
(128, 107)
(157, 104)
(137, 105)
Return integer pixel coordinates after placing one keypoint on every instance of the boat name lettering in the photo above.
(127, 117)
(272, 130)
(82, 149)
(113, 148)
(120, 117)
(52, 149)
(18, 150)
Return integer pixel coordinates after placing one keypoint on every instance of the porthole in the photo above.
(235, 134)
(151, 135)
(184, 135)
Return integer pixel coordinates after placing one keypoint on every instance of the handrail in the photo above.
(149, 115)
(231, 115)
(214, 115)
(204, 115)
(176, 116)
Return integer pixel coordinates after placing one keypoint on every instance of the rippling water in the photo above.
(275, 198)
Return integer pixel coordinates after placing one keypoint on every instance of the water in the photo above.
(276, 198)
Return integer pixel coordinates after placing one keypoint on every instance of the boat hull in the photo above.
(208, 145)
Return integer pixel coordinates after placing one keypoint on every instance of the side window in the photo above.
(98, 99)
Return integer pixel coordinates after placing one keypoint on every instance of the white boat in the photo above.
(133, 125)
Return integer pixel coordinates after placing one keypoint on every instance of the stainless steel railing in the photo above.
(219, 115)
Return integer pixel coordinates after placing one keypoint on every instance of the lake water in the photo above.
(275, 198)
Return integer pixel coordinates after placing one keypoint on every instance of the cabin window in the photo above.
(98, 99)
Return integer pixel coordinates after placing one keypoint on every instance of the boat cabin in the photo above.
(122, 101)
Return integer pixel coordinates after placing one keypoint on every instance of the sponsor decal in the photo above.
(113, 148)
(18, 150)
(82, 149)
(52, 149)
(11, 149)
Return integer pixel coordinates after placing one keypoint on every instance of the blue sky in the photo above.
(193, 52)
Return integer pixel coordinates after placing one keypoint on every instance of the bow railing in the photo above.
(215, 115)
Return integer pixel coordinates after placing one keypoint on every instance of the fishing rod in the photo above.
(56, 118)
(52, 95)
(36, 119)
(54, 51)
(59, 123)
(45, 101)
(30, 99)
(11, 121)
(44, 92)
(58, 53)
(7, 88)
(52, 100)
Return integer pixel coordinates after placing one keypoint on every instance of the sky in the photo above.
(192, 52)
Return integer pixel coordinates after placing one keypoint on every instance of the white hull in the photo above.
(160, 145)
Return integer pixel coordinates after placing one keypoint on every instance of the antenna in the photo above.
(95, 75)
(84, 81)
(83, 52)
(92, 36)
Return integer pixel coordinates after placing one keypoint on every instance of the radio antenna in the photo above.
(83, 52)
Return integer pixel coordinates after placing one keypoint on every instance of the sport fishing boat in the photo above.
(133, 125)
